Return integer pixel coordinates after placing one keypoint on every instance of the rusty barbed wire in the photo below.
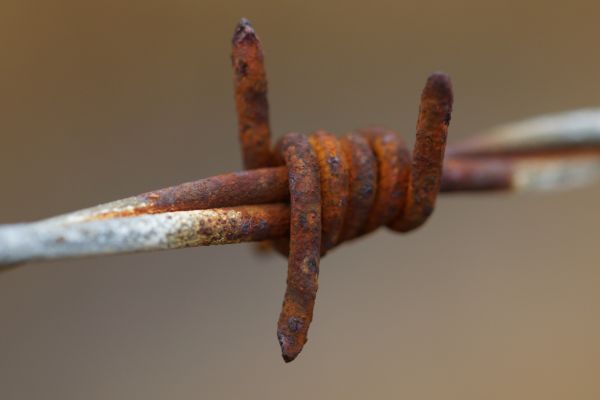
(309, 194)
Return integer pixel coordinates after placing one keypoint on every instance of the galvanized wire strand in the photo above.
(56, 238)
(42, 240)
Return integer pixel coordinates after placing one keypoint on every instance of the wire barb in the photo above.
(399, 192)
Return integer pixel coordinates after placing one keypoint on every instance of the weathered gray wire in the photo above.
(72, 236)
(79, 234)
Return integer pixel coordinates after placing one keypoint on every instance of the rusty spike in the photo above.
(250, 82)
(428, 155)
(305, 244)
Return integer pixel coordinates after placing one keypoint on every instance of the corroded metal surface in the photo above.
(259, 186)
(363, 183)
(393, 169)
(250, 82)
(368, 178)
(335, 186)
(305, 244)
(54, 238)
(320, 167)
(326, 190)
(460, 175)
(428, 155)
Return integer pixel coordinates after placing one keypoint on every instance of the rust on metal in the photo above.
(476, 175)
(428, 155)
(250, 82)
(393, 166)
(223, 225)
(363, 183)
(258, 186)
(305, 244)
(338, 189)
(245, 224)
(335, 186)
(63, 237)
(312, 193)
(246, 187)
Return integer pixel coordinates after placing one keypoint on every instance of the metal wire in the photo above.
(312, 193)
(543, 168)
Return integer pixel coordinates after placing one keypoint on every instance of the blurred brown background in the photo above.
(496, 297)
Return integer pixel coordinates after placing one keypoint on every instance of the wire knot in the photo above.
(339, 188)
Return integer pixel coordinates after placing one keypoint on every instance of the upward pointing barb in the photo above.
(244, 31)
(435, 112)
(250, 83)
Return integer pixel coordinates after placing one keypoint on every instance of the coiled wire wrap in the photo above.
(339, 188)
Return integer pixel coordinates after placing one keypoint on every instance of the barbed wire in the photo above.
(311, 193)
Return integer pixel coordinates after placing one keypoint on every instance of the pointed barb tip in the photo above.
(439, 90)
(289, 351)
(243, 31)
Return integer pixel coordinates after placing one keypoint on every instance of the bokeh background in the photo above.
(496, 297)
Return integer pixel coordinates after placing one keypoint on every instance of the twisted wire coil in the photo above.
(339, 188)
